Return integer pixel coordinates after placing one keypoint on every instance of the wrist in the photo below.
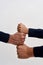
(30, 52)
(11, 39)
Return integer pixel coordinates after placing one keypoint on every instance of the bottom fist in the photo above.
(24, 51)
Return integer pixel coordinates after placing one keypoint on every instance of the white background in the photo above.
(12, 12)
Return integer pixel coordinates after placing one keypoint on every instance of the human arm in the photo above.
(16, 38)
(24, 51)
(38, 33)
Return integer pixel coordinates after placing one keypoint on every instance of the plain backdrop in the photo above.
(12, 12)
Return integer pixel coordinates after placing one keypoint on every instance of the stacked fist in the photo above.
(23, 51)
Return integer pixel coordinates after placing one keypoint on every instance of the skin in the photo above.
(17, 38)
(22, 28)
(24, 52)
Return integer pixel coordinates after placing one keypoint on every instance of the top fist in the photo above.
(22, 28)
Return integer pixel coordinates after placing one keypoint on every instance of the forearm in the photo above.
(7, 38)
(36, 52)
(4, 37)
(38, 33)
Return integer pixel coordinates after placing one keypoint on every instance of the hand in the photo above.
(22, 28)
(17, 38)
(24, 52)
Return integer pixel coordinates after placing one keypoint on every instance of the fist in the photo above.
(22, 28)
(18, 38)
(24, 52)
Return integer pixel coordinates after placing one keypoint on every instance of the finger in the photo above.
(19, 29)
(17, 52)
(17, 47)
(19, 25)
(21, 43)
(24, 34)
(19, 56)
(22, 37)
(16, 42)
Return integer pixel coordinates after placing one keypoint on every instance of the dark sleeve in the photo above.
(38, 51)
(35, 33)
(4, 37)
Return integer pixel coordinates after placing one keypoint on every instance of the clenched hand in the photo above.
(24, 52)
(17, 38)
